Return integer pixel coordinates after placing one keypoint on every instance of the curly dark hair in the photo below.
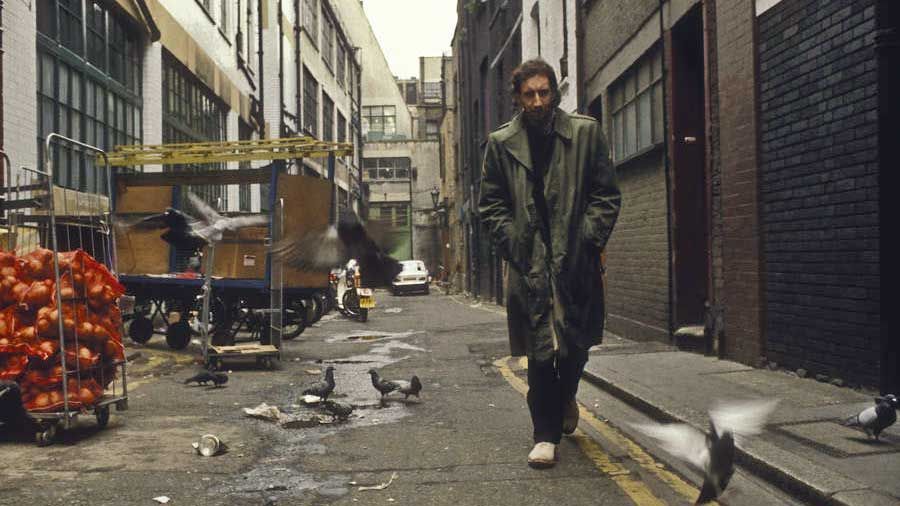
(528, 69)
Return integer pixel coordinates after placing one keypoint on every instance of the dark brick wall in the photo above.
(483, 104)
(637, 282)
(713, 152)
(741, 292)
(819, 189)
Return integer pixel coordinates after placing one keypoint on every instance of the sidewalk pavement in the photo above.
(804, 448)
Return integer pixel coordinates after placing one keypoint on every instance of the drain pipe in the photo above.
(281, 124)
(298, 97)
(667, 167)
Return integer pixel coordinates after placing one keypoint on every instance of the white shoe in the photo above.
(542, 456)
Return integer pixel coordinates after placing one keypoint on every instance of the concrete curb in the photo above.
(756, 464)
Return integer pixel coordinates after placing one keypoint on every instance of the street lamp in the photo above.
(435, 192)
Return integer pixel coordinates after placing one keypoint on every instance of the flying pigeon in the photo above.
(320, 250)
(407, 388)
(189, 233)
(324, 387)
(338, 410)
(875, 419)
(216, 378)
(713, 453)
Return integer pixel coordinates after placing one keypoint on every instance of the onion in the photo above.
(56, 397)
(86, 396)
(86, 329)
(4, 341)
(95, 291)
(8, 272)
(42, 400)
(43, 326)
(48, 347)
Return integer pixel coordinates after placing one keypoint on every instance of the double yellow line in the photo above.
(638, 491)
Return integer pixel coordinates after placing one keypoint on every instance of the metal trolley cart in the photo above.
(40, 213)
(247, 291)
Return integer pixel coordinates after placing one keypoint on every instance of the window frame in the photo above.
(326, 49)
(311, 21)
(327, 118)
(627, 96)
(78, 95)
(387, 168)
(370, 113)
(310, 103)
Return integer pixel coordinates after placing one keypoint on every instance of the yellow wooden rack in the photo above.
(225, 151)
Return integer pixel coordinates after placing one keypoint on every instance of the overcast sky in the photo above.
(408, 29)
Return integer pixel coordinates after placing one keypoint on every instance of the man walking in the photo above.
(550, 200)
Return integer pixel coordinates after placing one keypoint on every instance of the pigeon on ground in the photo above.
(338, 410)
(876, 418)
(189, 233)
(324, 387)
(216, 378)
(407, 388)
(412, 387)
(320, 250)
(713, 453)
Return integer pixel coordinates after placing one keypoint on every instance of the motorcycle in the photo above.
(356, 300)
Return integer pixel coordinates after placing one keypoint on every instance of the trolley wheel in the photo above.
(363, 314)
(102, 415)
(319, 304)
(265, 362)
(46, 436)
(213, 364)
(141, 329)
(178, 335)
(293, 321)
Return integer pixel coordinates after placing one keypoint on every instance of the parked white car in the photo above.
(413, 278)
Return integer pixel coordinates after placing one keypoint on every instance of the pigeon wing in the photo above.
(867, 416)
(237, 222)
(207, 213)
(400, 384)
(742, 419)
(317, 250)
(681, 440)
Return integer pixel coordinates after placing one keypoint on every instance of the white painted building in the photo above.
(111, 72)
(548, 32)
(400, 170)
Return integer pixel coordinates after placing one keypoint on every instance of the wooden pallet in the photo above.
(244, 349)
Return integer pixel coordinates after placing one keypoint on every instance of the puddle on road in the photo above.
(370, 335)
(278, 476)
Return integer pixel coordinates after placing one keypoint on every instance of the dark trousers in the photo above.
(549, 392)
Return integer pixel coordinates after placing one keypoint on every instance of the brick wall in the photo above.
(741, 275)
(637, 283)
(819, 161)
(713, 152)
(609, 24)
(19, 83)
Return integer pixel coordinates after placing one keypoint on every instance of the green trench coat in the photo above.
(557, 302)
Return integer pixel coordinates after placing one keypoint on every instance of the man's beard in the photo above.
(538, 119)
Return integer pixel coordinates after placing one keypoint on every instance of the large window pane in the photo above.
(46, 18)
(645, 121)
(630, 132)
(658, 127)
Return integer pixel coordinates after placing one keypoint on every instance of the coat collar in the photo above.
(515, 138)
